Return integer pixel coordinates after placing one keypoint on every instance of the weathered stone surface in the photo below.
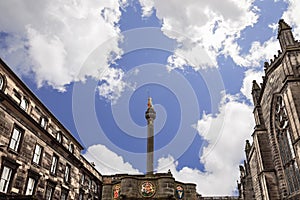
(20, 160)
(281, 83)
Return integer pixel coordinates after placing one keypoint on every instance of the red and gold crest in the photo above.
(147, 189)
(116, 191)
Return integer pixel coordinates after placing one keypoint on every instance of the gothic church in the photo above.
(271, 169)
(40, 159)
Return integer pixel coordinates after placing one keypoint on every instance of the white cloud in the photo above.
(226, 134)
(267, 49)
(250, 75)
(108, 162)
(256, 54)
(53, 40)
(292, 17)
(147, 7)
(113, 84)
(202, 26)
(214, 27)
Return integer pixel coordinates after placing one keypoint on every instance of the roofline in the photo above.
(39, 101)
(90, 164)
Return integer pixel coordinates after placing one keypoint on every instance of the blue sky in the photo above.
(95, 63)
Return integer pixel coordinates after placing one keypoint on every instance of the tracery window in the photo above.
(287, 153)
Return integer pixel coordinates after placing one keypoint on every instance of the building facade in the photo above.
(39, 157)
(271, 169)
(159, 186)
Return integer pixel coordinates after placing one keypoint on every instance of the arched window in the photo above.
(285, 141)
(1, 82)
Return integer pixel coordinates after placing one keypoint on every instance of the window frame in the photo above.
(64, 192)
(89, 181)
(40, 155)
(81, 194)
(2, 82)
(18, 96)
(67, 173)
(22, 101)
(13, 165)
(8, 180)
(33, 186)
(82, 179)
(94, 186)
(34, 176)
(53, 171)
(58, 136)
(283, 132)
(43, 122)
(71, 148)
(17, 145)
(50, 188)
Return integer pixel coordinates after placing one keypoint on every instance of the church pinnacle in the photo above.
(285, 35)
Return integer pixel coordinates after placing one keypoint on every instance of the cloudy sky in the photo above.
(94, 64)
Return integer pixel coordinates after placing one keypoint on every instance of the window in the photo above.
(67, 173)
(24, 104)
(80, 195)
(54, 164)
(43, 122)
(33, 178)
(71, 148)
(58, 136)
(89, 182)
(49, 192)
(17, 96)
(37, 154)
(287, 153)
(30, 186)
(64, 194)
(15, 139)
(94, 187)
(82, 179)
(1, 82)
(5, 179)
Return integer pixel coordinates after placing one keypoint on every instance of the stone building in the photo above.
(39, 157)
(161, 186)
(271, 169)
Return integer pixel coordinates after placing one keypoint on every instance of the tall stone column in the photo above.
(150, 117)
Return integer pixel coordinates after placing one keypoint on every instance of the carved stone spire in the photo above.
(285, 35)
(247, 148)
(255, 93)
